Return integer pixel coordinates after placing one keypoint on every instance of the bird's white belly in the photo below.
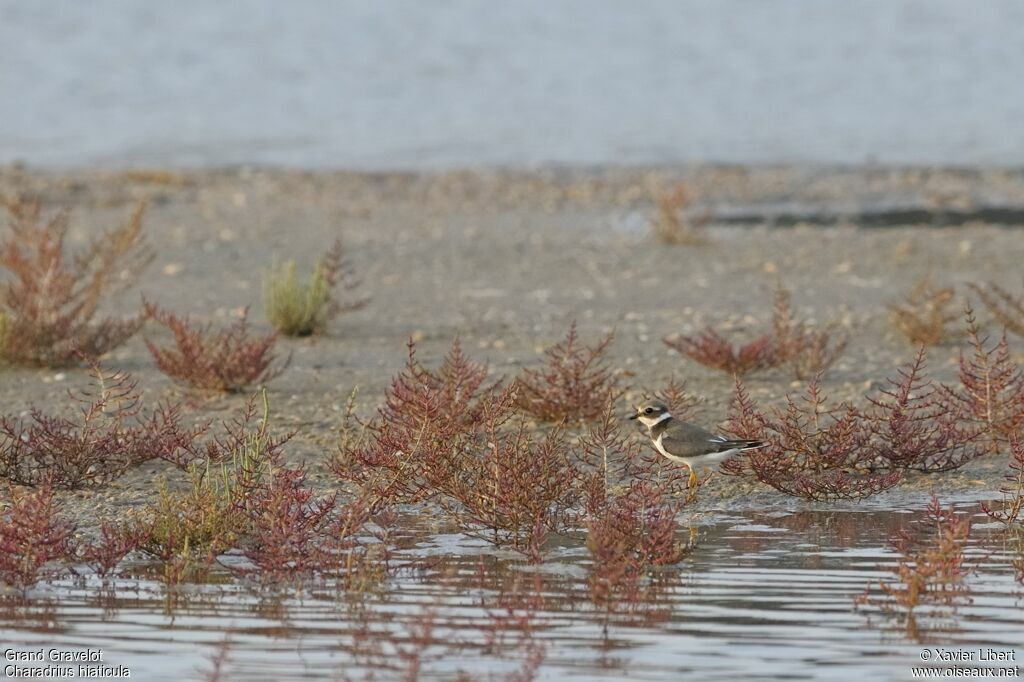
(665, 453)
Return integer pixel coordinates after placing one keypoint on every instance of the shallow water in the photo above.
(342, 83)
(762, 596)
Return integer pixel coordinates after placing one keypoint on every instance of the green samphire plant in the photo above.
(301, 308)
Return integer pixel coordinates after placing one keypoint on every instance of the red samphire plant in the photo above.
(110, 435)
(50, 302)
(1004, 306)
(574, 385)
(813, 451)
(633, 533)
(806, 349)
(711, 349)
(430, 417)
(912, 429)
(990, 395)
(228, 359)
(33, 535)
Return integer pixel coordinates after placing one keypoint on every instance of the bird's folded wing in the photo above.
(687, 447)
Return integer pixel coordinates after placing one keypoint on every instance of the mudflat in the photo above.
(505, 261)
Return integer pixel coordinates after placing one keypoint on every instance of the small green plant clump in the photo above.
(188, 529)
(298, 308)
(243, 497)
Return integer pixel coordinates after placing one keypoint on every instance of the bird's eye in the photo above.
(649, 410)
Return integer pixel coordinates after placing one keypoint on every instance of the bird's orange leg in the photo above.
(693, 478)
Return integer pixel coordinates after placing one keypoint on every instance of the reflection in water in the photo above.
(766, 595)
(929, 582)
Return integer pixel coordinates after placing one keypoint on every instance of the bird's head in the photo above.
(651, 412)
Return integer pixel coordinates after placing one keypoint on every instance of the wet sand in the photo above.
(506, 260)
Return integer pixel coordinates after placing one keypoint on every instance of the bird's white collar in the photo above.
(648, 422)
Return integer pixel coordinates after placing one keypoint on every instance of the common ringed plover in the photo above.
(687, 443)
